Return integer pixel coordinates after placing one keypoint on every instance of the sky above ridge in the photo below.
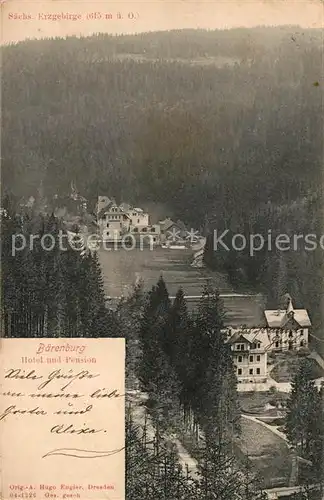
(25, 19)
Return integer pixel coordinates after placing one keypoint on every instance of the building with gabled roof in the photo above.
(113, 223)
(138, 217)
(288, 329)
(173, 232)
(249, 348)
(280, 318)
(116, 222)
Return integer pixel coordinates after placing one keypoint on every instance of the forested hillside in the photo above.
(233, 116)
(216, 124)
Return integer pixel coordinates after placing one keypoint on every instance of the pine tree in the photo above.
(59, 313)
(217, 478)
(156, 475)
(220, 412)
(301, 408)
(211, 385)
(97, 320)
(208, 255)
(315, 432)
(222, 478)
(129, 314)
(159, 380)
(155, 316)
(250, 482)
(177, 324)
(71, 263)
(161, 298)
(210, 310)
(206, 345)
(130, 311)
(52, 277)
(12, 267)
(179, 351)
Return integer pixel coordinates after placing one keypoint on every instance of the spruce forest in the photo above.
(223, 127)
(225, 130)
(178, 360)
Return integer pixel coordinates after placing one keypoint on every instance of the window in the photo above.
(239, 359)
(144, 230)
(258, 345)
(258, 371)
(239, 371)
(290, 334)
(277, 344)
(153, 229)
(240, 347)
(107, 233)
(135, 229)
(251, 358)
(301, 343)
(251, 371)
(107, 225)
(258, 358)
(253, 346)
(138, 221)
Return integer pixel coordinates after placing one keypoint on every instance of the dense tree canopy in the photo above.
(223, 127)
(218, 121)
(50, 293)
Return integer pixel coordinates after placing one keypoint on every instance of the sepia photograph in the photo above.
(162, 250)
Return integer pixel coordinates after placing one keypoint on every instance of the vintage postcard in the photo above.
(162, 194)
(62, 418)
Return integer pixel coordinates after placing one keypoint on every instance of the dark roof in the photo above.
(104, 210)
